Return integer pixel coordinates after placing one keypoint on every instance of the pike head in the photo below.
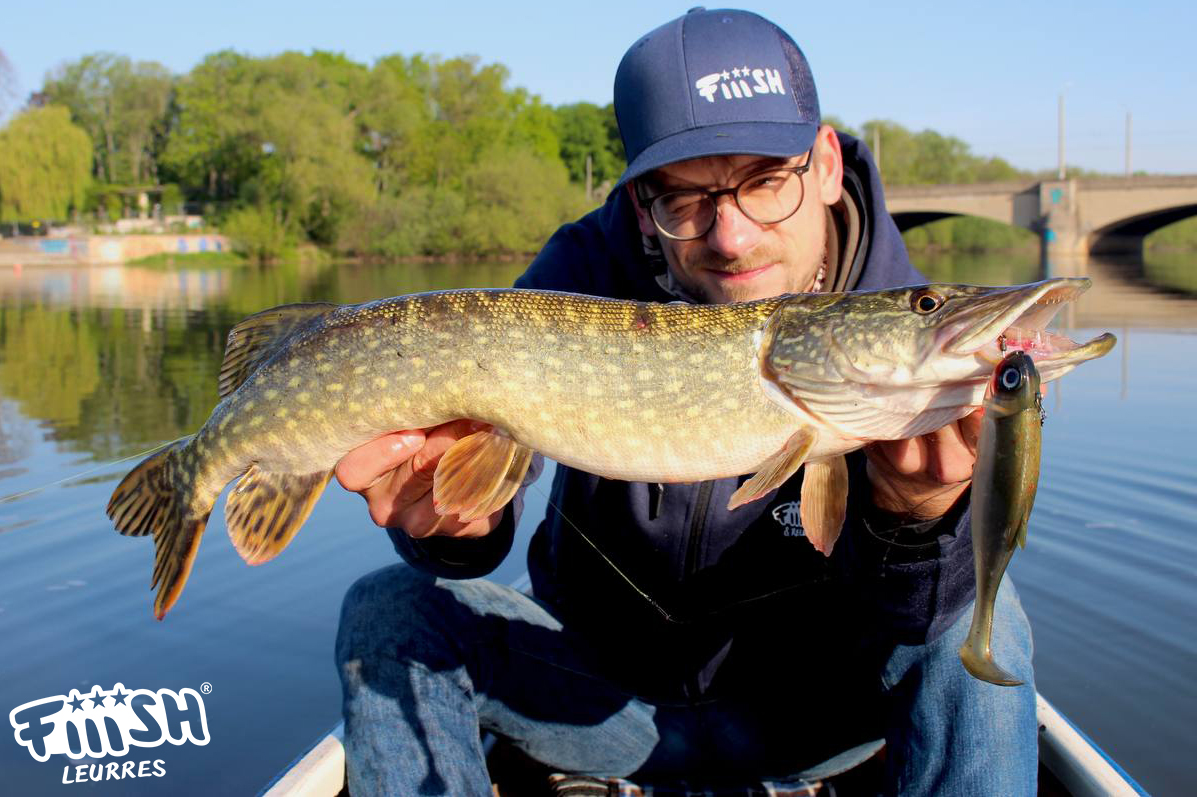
(893, 364)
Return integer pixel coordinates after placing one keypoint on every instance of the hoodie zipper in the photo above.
(698, 522)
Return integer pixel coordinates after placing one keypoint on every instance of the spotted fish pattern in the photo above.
(627, 390)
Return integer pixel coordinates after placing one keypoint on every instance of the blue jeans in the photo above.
(426, 663)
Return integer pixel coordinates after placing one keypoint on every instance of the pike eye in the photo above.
(1011, 377)
(926, 301)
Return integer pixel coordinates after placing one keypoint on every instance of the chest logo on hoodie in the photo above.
(740, 83)
(788, 518)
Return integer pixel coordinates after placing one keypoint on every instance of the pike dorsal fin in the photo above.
(265, 510)
(777, 468)
(478, 475)
(824, 502)
(251, 342)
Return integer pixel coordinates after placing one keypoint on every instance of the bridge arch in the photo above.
(1072, 217)
(908, 220)
(1125, 236)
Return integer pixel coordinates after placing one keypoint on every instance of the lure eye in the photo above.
(926, 301)
(1010, 378)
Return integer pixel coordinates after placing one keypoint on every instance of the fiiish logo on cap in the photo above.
(739, 83)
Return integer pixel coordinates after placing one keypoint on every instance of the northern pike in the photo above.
(623, 389)
(1005, 479)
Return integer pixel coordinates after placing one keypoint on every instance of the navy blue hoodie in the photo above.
(689, 599)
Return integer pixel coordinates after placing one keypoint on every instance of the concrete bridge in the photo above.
(1071, 217)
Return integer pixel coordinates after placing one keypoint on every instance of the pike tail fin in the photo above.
(150, 500)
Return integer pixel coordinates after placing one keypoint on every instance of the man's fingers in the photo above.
(421, 520)
(365, 465)
(415, 479)
(394, 473)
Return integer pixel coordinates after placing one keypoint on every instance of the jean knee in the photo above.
(386, 604)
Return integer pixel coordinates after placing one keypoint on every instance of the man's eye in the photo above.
(764, 181)
(682, 204)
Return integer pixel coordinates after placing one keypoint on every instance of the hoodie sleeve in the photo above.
(915, 578)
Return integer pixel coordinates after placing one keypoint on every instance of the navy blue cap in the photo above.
(721, 82)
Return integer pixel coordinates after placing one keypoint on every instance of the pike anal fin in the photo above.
(777, 468)
(824, 502)
(266, 509)
(478, 475)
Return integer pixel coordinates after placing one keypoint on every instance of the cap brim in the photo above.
(774, 139)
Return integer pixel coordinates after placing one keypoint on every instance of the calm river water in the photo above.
(101, 364)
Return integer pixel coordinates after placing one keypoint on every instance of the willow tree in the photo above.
(45, 165)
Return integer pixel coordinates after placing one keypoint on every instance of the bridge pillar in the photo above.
(1061, 237)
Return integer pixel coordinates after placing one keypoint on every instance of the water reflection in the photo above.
(97, 364)
(113, 363)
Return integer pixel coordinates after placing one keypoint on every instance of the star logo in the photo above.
(735, 73)
(96, 697)
(726, 76)
(77, 703)
(744, 71)
(119, 696)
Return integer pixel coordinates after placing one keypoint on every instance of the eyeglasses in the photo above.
(767, 197)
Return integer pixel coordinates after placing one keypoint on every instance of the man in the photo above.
(668, 639)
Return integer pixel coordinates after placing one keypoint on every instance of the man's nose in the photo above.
(733, 233)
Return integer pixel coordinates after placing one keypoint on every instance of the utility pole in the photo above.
(1061, 128)
(589, 178)
(1128, 143)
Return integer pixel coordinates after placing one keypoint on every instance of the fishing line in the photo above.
(31, 491)
(648, 598)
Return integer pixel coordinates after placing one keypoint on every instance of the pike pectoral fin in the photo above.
(478, 475)
(265, 510)
(824, 502)
(253, 341)
(777, 468)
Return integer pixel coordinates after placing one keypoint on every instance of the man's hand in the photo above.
(923, 476)
(394, 474)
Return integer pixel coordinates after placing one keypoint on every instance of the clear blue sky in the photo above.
(988, 73)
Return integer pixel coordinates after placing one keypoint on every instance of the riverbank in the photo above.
(105, 249)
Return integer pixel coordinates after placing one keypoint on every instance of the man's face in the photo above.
(740, 259)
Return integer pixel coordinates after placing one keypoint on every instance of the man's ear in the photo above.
(828, 171)
(643, 218)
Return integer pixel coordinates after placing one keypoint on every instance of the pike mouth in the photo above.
(1015, 319)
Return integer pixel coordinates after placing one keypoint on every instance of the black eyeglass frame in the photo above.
(648, 202)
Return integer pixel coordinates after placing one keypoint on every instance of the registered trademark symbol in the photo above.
(206, 687)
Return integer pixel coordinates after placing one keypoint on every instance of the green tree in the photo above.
(45, 165)
(515, 198)
(123, 106)
(928, 157)
(586, 129)
(210, 151)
